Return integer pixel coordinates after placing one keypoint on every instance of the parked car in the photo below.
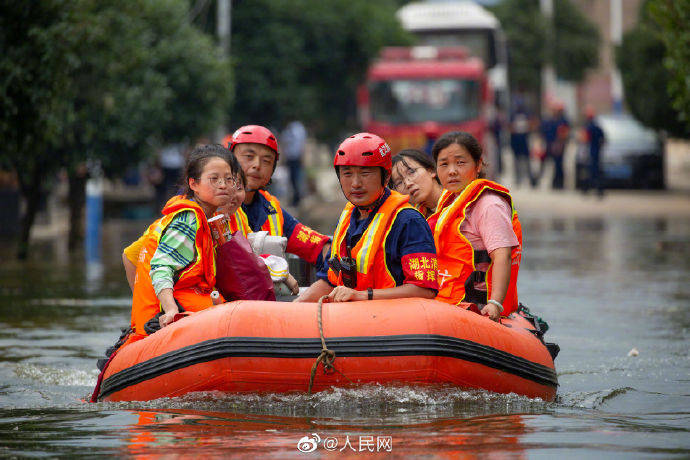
(632, 157)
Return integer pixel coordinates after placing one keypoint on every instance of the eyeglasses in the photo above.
(230, 182)
(410, 174)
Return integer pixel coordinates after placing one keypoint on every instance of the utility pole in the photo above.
(616, 24)
(223, 29)
(223, 25)
(548, 75)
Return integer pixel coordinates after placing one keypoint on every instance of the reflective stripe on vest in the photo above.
(239, 221)
(274, 222)
(456, 257)
(369, 252)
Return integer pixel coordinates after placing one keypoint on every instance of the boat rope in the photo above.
(326, 356)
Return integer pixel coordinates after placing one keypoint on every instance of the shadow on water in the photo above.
(605, 285)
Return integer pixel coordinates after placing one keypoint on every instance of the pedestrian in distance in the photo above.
(555, 132)
(476, 230)
(519, 143)
(594, 139)
(382, 247)
(293, 138)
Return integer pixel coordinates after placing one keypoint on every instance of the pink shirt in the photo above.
(488, 223)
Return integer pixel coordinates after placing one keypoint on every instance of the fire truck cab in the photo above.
(413, 94)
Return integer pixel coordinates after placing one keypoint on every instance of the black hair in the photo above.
(463, 139)
(200, 156)
(418, 156)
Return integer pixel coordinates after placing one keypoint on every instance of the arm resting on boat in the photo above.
(315, 292)
(345, 294)
(500, 279)
(168, 305)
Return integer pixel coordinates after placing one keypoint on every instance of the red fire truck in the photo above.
(413, 94)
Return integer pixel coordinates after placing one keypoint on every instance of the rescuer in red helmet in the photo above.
(256, 149)
(382, 247)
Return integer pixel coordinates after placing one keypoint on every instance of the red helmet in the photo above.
(254, 134)
(364, 149)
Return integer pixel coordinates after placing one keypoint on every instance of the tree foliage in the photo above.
(645, 80)
(571, 45)
(305, 58)
(526, 32)
(575, 42)
(101, 79)
(673, 18)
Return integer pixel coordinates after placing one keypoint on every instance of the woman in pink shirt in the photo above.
(477, 234)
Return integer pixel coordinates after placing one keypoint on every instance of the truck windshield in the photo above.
(417, 101)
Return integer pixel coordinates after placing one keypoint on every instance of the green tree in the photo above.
(38, 42)
(571, 45)
(305, 58)
(160, 81)
(673, 18)
(645, 79)
(104, 80)
(575, 42)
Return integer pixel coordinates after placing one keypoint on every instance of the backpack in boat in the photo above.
(241, 274)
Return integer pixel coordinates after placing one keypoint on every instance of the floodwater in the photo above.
(605, 285)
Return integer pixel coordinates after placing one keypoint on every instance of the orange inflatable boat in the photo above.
(252, 346)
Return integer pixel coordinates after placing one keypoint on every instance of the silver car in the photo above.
(632, 157)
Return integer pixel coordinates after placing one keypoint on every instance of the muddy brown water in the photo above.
(606, 285)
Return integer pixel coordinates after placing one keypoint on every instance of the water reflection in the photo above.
(605, 285)
(184, 432)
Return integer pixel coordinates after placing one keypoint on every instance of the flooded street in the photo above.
(608, 285)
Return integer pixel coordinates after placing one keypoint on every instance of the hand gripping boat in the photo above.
(272, 347)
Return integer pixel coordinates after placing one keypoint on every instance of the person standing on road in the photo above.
(555, 131)
(594, 139)
(293, 139)
(476, 230)
(382, 247)
(519, 142)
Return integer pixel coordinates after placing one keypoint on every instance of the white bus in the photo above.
(462, 23)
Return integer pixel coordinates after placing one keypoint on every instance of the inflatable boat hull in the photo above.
(250, 346)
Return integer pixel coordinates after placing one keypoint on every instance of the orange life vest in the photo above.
(194, 283)
(457, 258)
(369, 252)
(239, 221)
(274, 222)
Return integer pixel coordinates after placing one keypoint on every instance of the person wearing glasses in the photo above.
(476, 230)
(382, 247)
(176, 265)
(414, 174)
(236, 193)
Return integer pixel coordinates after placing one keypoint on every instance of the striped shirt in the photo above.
(175, 251)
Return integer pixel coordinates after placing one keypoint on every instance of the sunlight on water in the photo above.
(366, 402)
(54, 376)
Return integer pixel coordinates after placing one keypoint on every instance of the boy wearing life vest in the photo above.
(256, 149)
(382, 247)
